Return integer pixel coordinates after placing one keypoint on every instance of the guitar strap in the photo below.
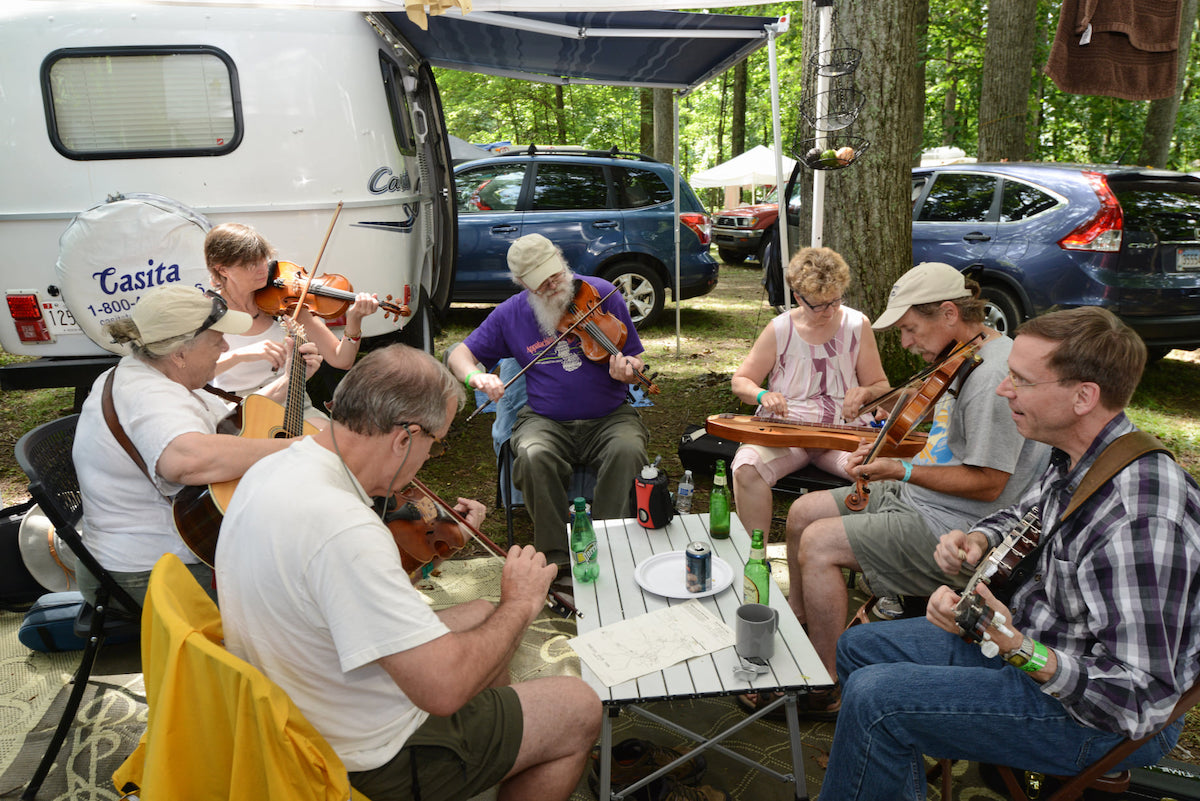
(118, 431)
(1119, 454)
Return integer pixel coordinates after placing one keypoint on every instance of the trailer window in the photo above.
(138, 102)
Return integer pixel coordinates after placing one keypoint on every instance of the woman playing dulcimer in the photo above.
(239, 259)
(821, 365)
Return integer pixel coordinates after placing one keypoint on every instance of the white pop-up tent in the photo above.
(755, 167)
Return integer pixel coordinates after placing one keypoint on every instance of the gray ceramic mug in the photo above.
(755, 631)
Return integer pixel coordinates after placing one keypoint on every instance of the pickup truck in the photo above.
(738, 232)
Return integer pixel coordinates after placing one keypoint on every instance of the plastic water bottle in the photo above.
(756, 581)
(718, 505)
(583, 545)
(683, 495)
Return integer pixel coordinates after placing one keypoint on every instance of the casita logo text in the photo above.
(111, 282)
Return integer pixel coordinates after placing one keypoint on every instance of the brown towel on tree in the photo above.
(1119, 48)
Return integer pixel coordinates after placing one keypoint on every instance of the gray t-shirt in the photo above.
(976, 429)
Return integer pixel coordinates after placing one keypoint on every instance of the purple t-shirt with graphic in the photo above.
(565, 384)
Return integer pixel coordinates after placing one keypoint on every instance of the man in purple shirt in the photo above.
(577, 411)
(1096, 645)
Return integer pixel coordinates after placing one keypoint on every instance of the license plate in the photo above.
(1187, 259)
(60, 318)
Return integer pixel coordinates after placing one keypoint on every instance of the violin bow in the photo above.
(546, 349)
(484, 541)
(313, 272)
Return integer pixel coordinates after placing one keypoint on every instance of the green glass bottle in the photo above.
(756, 580)
(583, 545)
(718, 505)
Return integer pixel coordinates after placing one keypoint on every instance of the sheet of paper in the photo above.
(653, 641)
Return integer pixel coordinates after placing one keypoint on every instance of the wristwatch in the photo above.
(1021, 656)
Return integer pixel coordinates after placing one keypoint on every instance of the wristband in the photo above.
(758, 398)
(907, 470)
(355, 340)
(1041, 656)
(470, 375)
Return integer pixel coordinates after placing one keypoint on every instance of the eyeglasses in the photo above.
(218, 311)
(437, 447)
(820, 307)
(1020, 383)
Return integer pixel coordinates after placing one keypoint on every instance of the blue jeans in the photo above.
(910, 688)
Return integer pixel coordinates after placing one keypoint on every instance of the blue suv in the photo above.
(612, 214)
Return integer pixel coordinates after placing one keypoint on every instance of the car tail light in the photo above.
(699, 224)
(1103, 231)
(27, 316)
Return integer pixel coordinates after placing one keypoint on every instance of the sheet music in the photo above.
(648, 643)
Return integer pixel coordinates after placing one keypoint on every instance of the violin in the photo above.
(915, 409)
(601, 335)
(421, 527)
(327, 295)
(971, 614)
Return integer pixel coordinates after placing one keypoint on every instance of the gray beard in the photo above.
(549, 310)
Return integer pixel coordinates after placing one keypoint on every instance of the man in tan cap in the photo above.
(577, 411)
(175, 334)
(975, 463)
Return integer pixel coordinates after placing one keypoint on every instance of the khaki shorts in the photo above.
(449, 759)
(893, 544)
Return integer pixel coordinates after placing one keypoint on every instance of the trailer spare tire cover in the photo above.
(111, 254)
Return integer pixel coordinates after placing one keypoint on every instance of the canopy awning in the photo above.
(755, 167)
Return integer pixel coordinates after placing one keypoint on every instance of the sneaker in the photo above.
(634, 759)
(667, 789)
(889, 607)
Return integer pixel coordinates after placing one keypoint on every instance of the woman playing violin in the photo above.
(821, 364)
(239, 263)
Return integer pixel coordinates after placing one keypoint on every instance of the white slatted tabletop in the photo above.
(615, 595)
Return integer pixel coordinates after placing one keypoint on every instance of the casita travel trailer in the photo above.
(128, 132)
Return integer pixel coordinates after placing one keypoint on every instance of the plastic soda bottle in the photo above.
(718, 505)
(756, 579)
(583, 545)
(683, 495)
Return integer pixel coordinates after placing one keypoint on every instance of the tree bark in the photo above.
(664, 125)
(922, 55)
(867, 215)
(1160, 119)
(646, 123)
(1007, 74)
(737, 125)
(560, 114)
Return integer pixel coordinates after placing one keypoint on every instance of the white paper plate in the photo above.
(665, 574)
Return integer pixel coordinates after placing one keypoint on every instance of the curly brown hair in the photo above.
(818, 273)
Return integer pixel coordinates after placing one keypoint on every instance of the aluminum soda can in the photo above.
(699, 567)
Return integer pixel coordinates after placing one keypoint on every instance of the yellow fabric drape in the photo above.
(217, 727)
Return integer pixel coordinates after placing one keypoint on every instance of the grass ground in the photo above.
(693, 370)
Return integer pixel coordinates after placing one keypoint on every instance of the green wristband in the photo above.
(1041, 656)
(907, 470)
(758, 398)
(470, 375)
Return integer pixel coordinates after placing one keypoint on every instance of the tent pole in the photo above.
(825, 43)
(781, 225)
(675, 293)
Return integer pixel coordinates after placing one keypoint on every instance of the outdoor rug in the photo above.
(113, 714)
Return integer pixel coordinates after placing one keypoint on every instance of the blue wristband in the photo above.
(907, 470)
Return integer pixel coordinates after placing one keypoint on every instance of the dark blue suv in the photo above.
(1040, 235)
(611, 213)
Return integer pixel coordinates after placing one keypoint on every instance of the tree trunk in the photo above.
(646, 128)
(664, 125)
(1160, 119)
(922, 55)
(560, 114)
(867, 214)
(1007, 73)
(737, 125)
(950, 102)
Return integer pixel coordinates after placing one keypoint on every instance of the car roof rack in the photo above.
(577, 150)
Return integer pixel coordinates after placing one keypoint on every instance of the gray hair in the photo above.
(125, 332)
(394, 385)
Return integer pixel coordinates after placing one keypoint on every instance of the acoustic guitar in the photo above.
(198, 510)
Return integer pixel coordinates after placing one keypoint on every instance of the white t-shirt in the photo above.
(246, 377)
(313, 593)
(127, 523)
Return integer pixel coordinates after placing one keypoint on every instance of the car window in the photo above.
(494, 187)
(569, 186)
(1172, 216)
(641, 188)
(1020, 200)
(959, 197)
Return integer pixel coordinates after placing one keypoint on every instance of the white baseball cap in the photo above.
(928, 282)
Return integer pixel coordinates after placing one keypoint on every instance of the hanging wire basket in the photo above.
(836, 62)
(832, 110)
(833, 152)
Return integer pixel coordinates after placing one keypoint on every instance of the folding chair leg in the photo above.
(82, 674)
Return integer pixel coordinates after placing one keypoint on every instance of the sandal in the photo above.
(752, 702)
(818, 705)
